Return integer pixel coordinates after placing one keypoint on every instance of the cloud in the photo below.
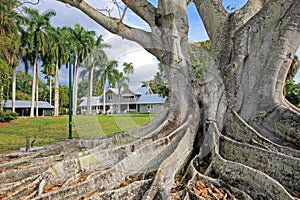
(144, 63)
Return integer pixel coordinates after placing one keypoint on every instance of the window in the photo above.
(150, 106)
(109, 97)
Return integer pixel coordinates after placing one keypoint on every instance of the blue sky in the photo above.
(68, 16)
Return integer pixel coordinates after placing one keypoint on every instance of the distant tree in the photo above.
(293, 92)
(108, 78)
(56, 55)
(63, 99)
(5, 72)
(95, 59)
(83, 42)
(122, 82)
(128, 68)
(199, 53)
(36, 37)
(9, 46)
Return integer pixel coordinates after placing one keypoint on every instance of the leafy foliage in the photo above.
(8, 116)
(293, 92)
(199, 57)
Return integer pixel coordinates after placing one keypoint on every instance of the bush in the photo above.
(8, 116)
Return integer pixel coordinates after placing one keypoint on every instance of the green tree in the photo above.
(121, 83)
(5, 72)
(57, 55)
(37, 44)
(128, 68)
(199, 53)
(96, 59)
(9, 47)
(108, 78)
(293, 92)
(63, 99)
(83, 42)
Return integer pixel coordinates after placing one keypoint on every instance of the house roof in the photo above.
(151, 99)
(27, 104)
(141, 90)
(96, 101)
(143, 98)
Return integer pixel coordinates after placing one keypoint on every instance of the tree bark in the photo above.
(229, 135)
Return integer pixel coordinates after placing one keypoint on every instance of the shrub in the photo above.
(8, 116)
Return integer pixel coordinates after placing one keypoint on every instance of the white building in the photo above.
(142, 100)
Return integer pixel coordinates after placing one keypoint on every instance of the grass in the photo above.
(47, 130)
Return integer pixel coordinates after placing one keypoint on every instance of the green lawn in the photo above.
(52, 129)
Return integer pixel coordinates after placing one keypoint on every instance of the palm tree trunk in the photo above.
(104, 96)
(119, 103)
(56, 90)
(50, 88)
(37, 93)
(1, 98)
(33, 84)
(89, 109)
(75, 87)
(14, 78)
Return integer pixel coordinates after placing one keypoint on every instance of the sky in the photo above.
(122, 50)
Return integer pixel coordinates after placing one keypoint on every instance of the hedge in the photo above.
(8, 116)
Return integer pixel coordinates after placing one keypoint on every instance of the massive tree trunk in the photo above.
(231, 134)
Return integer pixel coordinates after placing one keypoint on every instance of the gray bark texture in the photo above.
(229, 135)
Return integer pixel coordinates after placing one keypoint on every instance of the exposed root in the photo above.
(162, 164)
(283, 123)
(254, 182)
(241, 131)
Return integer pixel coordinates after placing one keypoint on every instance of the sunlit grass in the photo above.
(47, 130)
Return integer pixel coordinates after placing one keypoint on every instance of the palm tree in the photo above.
(96, 58)
(108, 77)
(122, 82)
(55, 56)
(84, 42)
(49, 70)
(10, 40)
(128, 68)
(37, 38)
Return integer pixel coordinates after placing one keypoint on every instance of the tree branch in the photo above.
(143, 9)
(247, 12)
(113, 25)
(28, 2)
(213, 15)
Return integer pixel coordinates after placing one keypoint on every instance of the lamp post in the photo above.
(70, 94)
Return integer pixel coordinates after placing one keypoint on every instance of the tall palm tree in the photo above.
(56, 55)
(37, 38)
(84, 42)
(121, 82)
(49, 70)
(9, 40)
(96, 58)
(108, 78)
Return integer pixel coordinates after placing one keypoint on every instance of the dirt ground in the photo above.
(4, 124)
